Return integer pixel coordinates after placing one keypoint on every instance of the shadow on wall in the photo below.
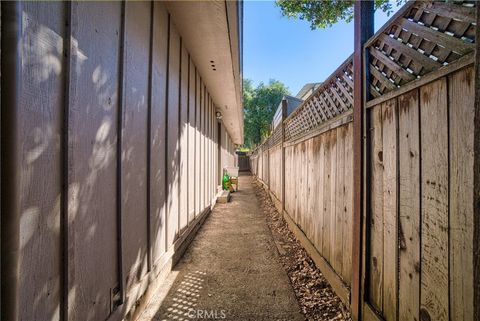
(86, 210)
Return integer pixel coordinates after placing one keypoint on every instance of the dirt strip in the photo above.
(315, 296)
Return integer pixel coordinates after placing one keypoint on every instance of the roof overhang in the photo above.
(212, 31)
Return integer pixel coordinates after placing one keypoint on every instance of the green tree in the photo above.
(325, 13)
(260, 104)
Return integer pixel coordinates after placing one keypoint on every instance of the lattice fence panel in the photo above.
(276, 136)
(425, 37)
(332, 98)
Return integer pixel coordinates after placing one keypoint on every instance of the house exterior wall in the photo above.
(108, 143)
(227, 148)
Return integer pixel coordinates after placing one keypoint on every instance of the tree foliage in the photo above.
(325, 13)
(260, 104)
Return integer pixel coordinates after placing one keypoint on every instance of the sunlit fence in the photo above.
(418, 233)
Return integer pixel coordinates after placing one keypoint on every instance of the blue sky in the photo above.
(276, 47)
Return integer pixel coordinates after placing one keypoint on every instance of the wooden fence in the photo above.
(419, 217)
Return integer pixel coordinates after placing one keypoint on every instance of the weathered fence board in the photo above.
(348, 206)
(375, 261)
(390, 237)
(327, 194)
(333, 195)
(435, 189)
(461, 113)
(320, 165)
(338, 230)
(409, 210)
(275, 154)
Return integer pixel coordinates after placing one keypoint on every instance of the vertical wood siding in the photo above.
(158, 134)
(113, 139)
(134, 144)
(39, 170)
(92, 171)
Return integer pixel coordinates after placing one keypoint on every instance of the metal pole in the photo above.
(363, 24)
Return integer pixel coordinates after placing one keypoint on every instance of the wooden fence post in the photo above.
(363, 24)
(476, 179)
(284, 115)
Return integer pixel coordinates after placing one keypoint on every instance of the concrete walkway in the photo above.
(230, 272)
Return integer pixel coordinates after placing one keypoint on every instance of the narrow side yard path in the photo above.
(231, 271)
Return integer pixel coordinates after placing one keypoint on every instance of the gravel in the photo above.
(315, 296)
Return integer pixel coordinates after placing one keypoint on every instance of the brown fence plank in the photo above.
(461, 112)
(321, 200)
(294, 186)
(476, 176)
(311, 200)
(314, 190)
(330, 275)
(303, 204)
(339, 231)
(389, 122)
(289, 182)
(375, 283)
(434, 164)
(409, 215)
(333, 195)
(348, 203)
(327, 201)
